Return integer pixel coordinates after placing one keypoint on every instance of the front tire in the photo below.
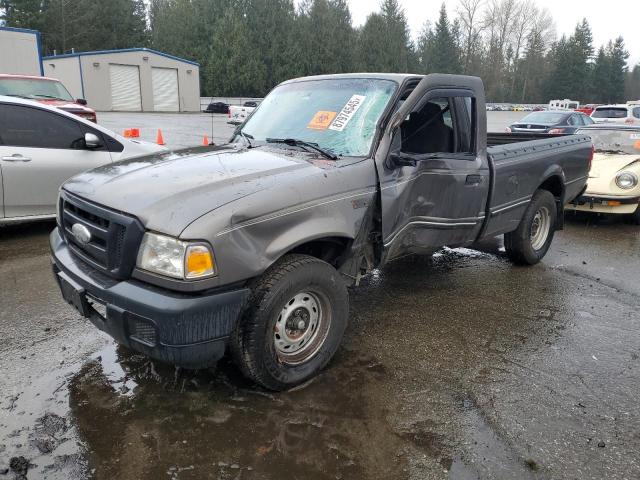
(294, 323)
(529, 243)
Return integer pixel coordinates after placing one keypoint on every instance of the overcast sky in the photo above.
(608, 19)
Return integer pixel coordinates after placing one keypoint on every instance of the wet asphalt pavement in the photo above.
(456, 366)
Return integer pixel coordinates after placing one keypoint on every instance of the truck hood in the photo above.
(169, 191)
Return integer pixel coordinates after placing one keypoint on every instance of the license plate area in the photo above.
(77, 297)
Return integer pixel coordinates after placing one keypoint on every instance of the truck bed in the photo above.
(519, 161)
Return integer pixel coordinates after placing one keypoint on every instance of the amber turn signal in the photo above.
(198, 262)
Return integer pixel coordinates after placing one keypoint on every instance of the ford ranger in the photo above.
(251, 246)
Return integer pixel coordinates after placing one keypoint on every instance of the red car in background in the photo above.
(587, 109)
(49, 91)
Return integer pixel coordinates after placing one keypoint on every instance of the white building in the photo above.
(134, 79)
(20, 51)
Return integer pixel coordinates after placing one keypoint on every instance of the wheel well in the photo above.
(330, 249)
(553, 185)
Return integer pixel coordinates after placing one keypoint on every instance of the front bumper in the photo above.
(605, 204)
(188, 330)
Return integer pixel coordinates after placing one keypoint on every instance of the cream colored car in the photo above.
(613, 185)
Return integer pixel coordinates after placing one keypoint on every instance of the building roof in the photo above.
(124, 50)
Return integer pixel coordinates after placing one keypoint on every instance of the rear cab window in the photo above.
(610, 112)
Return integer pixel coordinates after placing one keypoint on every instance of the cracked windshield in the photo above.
(339, 115)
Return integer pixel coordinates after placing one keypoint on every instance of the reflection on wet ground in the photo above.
(457, 366)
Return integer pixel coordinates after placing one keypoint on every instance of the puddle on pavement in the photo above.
(141, 419)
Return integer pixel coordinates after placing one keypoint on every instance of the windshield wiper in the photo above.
(301, 143)
(18, 96)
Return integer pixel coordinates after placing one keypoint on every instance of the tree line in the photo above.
(245, 47)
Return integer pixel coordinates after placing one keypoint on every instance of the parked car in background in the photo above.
(48, 91)
(565, 104)
(217, 107)
(252, 245)
(613, 185)
(587, 109)
(554, 122)
(42, 146)
(628, 113)
(238, 114)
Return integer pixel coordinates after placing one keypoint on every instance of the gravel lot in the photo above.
(457, 366)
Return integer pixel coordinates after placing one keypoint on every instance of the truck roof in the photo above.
(396, 77)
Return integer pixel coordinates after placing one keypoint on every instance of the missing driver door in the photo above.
(433, 181)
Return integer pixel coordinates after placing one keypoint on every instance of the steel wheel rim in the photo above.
(301, 327)
(540, 228)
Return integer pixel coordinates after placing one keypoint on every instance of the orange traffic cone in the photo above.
(127, 133)
(159, 138)
(205, 141)
(135, 133)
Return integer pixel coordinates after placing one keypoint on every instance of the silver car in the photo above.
(41, 147)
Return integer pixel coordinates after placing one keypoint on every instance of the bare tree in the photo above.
(469, 12)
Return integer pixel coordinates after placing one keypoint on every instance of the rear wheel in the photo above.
(294, 324)
(529, 243)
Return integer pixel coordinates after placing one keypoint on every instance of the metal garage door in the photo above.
(125, 88)
(165, 90)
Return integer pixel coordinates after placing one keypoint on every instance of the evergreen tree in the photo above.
(600, 79)
(384, 43)
(633, 84)
(327, 36)
(21, 13)
(440, 50)
(235, 68)
(618, 70)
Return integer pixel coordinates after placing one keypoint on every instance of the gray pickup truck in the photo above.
(251, 246)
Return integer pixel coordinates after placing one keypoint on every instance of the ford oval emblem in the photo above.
(81, 233)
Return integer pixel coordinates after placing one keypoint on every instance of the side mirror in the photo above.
(91, 141)
(400, 159)
(81, 101)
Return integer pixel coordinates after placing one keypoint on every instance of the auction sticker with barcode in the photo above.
(347, 113)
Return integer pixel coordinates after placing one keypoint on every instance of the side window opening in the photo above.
(434, 127)
(426, 130)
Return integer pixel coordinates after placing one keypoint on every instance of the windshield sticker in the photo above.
(321, 120)
(347, 112)
(637, 145)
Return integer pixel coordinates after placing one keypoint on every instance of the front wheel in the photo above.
(294, 323)
(529, 243)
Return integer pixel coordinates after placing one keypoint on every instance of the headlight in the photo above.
(175, 258)
(626, 180)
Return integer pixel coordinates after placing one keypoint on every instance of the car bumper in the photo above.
(605, 204)
(190, 331)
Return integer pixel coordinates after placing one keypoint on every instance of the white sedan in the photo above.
(41, 147)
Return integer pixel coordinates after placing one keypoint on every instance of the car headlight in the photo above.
(175, 258)
(626, 180)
